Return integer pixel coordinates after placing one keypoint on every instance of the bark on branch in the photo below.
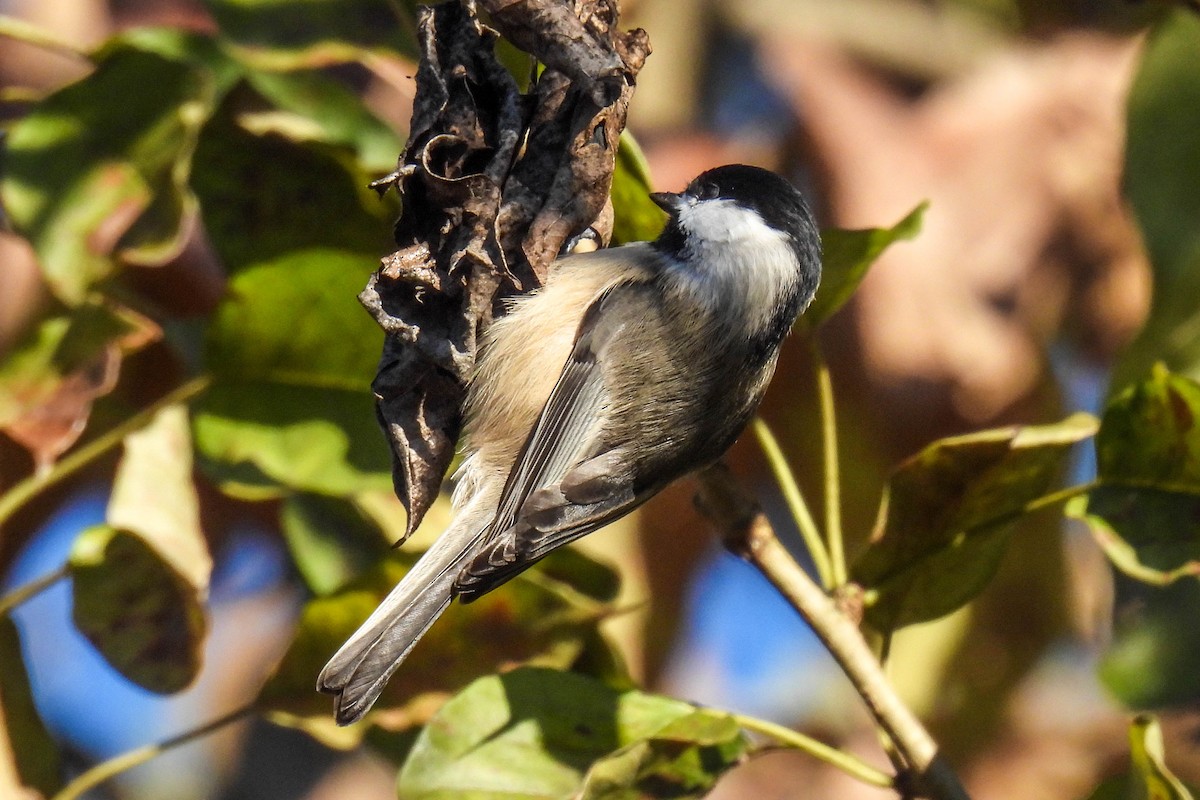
(748, 534)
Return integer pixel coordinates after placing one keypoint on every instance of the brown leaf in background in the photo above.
(494, 183)
(1019, 158)
(50, 381)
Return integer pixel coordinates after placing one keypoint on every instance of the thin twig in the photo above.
(24, 491)
(846, 762)
(22, 31)
(36, 586)
(125, 761)
(795, 502)
(833, 487)
(748, 534)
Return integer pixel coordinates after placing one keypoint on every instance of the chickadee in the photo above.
(631, 367)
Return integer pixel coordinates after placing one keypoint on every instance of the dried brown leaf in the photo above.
(494, 182)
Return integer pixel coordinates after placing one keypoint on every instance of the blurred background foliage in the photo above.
(188, 223)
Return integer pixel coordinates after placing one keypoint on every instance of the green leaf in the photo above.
(139, 612)
(1149, 435)
(257, 440)
(283, 34)
(177, 44)
(682, 760)
(540, 734)
(292, 355)
(98, 172)
(1128, 786)
(26, 747)
(635, 216)
(1148, 778)
(311, 107)
(946, 513)
(266, 196)
(1149, 761)
(1151, 662)
(1146, 513)
(846, 257)
(1162, 163)
(1145, 516)
(291, 351)
(533, 617)
(330, 540)
(296, 321)
(1162, 184)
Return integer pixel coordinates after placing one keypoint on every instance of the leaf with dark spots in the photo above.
(140, 613)
(1148, 435)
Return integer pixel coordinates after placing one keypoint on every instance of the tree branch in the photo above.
(747, 533)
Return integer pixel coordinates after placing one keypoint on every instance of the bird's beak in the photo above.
(667, 201)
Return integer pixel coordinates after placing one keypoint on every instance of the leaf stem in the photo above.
(850, 764)
(795, 501)
(833, 490)
(101, 772)
(24, 491)
(1038, 503)
(20, 94)
(36, 586)
(22, 31)
(1060, 496)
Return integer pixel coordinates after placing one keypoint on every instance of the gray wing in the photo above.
(569, 479)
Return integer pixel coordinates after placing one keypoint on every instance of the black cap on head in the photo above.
(778, 202)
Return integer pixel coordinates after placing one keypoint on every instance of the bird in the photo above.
(631, 367)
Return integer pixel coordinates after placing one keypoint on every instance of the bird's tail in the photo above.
(358, 671)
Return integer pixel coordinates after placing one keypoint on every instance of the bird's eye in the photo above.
(707, 191)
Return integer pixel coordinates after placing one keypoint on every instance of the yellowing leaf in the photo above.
(50, 380)
(1149, 761)
(153, 495)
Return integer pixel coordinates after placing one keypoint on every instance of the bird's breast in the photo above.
(523, 353)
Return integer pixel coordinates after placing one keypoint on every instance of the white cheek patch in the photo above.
(739, 264)
(725, 221)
